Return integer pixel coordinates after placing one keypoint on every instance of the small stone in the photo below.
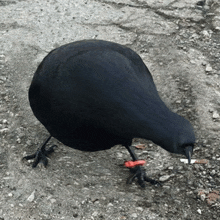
(199, 211)
(110, 205)
(28, 142)
(6, 98)
(31, 197)
(95, 213)
(53, 200)
(4, 121)
(204, 63)
(4, 131)
(166, 187)
(202, 194)
(140, 209)
(215, 115)
(208, 68)
(18, 140)
(195, 36)
(119, 155)
(179, 168)
(164, 178)
(213, 172)
(205, 33)
(202, 197)
(134, 215)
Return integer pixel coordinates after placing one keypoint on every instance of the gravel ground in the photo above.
(179, 40)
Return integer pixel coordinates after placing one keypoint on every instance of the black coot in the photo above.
(94, 94)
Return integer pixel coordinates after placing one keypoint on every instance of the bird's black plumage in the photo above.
(93, 94)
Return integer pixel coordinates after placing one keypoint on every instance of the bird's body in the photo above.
(93, 94)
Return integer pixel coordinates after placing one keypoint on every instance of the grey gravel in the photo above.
(215, 115)
(164, 178)
(208, 68)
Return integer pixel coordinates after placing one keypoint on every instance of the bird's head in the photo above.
(182, 138)
(186, 141)
(188, 150)
(184, 149)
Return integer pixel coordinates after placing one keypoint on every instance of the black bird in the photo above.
(94, 94)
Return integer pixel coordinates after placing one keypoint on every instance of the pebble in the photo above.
(213, 172)
(215, 115)
(18, 140)
(204, 63)
(4, 130)
(205, 33)
(2, 78)
(119, 155)
(164, 178)
(208, 68)
(202, 197)
(4, 121)
(134, 215)
(95, 213)
(192, 61)
(110, 205)
(11, 114)
(166, 187)
(140, 209)
(199, 211)
(53, 200)
(31, 197)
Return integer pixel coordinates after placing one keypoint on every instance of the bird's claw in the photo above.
(139, 173)
(40, 156)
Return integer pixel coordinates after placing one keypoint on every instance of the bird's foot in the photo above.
(139, 173)
(40, 156)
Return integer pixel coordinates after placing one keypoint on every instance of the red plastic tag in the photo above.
(131, 164)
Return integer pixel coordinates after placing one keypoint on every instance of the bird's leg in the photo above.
(138, 171)
(41, 154)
